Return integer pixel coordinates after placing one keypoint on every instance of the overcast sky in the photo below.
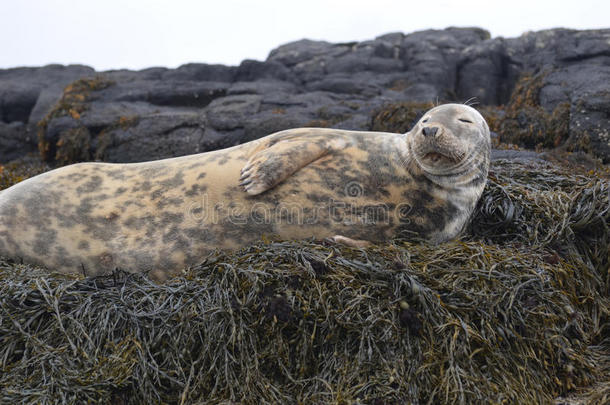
(136, 34)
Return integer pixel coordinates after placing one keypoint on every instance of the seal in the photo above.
(162, 216)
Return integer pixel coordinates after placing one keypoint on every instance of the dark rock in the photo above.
(186, 94)
(364, 59)
(133, 118)
(165, 93)
(394, 38)
(201, 72)
(130, 132)
(17, 101)
(308, 59)
(585, 87)
(378, 84)
(250, 70)
(343, 84)
(432, 56)
(310, 100)
(263, 87)
(489, 70)
(15, 141)
(232, 111)
(20, 89)
(26, 96)
(268, 122)
(487, 73)
(355, 123)
(561, 47)
(516, 155)
(418, 92)
(304, 50)
(213, 139)
(153, 136)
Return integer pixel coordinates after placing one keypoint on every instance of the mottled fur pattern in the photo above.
(164, 215)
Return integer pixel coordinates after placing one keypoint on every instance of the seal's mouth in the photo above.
(433, 156)
(437, 157)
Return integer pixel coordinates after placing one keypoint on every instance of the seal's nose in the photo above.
(430, 131)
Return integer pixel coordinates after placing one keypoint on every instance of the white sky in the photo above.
(135, 34)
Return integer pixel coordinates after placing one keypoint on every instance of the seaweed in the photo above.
(516, 311)
(18, 170)
(528, 124)
(398, 117)
(74, 145)
(326, 118)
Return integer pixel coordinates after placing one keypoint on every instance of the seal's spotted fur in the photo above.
(164, 215)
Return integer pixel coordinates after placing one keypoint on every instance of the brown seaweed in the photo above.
(517, 311)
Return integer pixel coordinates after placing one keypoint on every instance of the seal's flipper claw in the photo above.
(355, 243)
(271, 165)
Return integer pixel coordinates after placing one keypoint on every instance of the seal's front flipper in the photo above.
(356, 243)
(278, 160)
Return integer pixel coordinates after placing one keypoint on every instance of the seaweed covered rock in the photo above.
(546, 111)
(127, 119)
(527, 124)
(26, 96)
(516, 311)
(21, 169)
(399, 117)
(568, 74)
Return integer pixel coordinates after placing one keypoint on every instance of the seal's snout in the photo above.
(429, 131)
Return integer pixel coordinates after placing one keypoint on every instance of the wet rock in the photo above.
(317, 83)
(232, 111)
(263, 87)
(432, 56)
(34, 91)
(586, 89)
(15, 141)
(162, 93)
(201, 72)
(490, 69)
(270, 121)
(304, 50)
(516, 155)
(154, 136)
(487, 73)
(342, 84)
(250, 70)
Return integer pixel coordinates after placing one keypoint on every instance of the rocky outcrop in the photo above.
(26, 96)
(573, 70)
(158, 112)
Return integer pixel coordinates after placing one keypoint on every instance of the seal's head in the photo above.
(448, 139)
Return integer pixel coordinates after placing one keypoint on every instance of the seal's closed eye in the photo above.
(465, 120)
